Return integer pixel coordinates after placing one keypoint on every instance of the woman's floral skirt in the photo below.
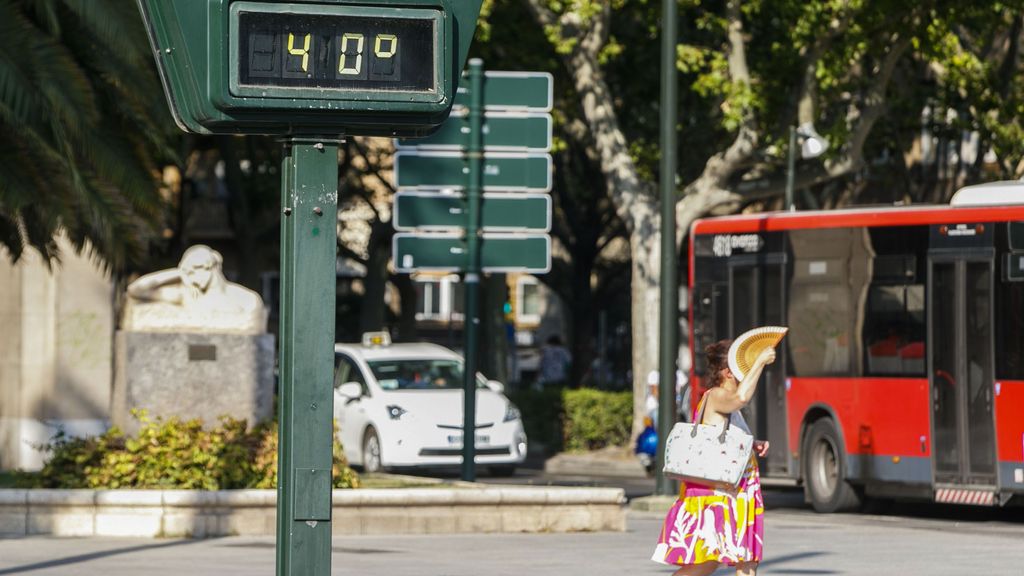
(709, 525)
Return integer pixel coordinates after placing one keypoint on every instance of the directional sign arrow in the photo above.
(447, 252)
(502, 171)
(515, 212)
(501, 131)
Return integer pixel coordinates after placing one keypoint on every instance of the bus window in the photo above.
(894, 331)
(710, 315)
(1010, 330)
(829, 273)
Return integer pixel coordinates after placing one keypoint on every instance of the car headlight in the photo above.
(511, 413)
(396, 411)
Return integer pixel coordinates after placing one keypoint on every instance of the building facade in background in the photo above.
(56, 359)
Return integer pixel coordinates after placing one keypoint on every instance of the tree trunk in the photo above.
(645, 249)
(407, 307)
(583, 310)
(371, 313)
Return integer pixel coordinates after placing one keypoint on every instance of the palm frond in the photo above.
(78, 129)
(115, 27)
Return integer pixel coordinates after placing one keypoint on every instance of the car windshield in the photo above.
(418, 374)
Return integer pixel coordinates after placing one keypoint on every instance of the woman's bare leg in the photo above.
(746, 569)
(702, 569)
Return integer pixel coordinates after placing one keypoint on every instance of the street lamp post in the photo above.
(669, 289)
(812, 145)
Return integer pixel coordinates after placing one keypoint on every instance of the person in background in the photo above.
(651, 402)
(554, 363)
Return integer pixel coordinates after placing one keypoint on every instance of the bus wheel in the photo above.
(825, 470)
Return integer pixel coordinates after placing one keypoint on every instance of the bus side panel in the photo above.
(885, 424)
(1010, 434)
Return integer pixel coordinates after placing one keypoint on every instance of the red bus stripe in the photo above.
(1010, 420)
(913, 216)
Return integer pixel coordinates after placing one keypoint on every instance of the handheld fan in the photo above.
(748, 346)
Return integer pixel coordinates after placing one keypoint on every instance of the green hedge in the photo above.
(595, 419)
(175, 454)
(542, 416)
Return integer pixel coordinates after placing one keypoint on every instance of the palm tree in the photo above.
(82, 124)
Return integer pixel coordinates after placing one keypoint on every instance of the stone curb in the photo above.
(593, 465)
(184, 513)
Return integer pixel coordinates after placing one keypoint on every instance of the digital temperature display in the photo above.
(338, 51)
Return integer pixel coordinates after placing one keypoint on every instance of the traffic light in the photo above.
(509, 311)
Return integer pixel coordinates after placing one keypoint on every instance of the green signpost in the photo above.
(423, 211)
(501, 131)
(313, 73)
(501, 170)
(491, 144)
(498, 252)
(512, 91)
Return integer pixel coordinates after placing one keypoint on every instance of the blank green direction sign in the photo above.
(501, 131)
(447, 252)
(515, 212)
(519, 91)
(502, 171)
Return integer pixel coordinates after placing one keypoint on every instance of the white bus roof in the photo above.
(990, 194)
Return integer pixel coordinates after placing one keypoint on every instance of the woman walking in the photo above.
(709, 527)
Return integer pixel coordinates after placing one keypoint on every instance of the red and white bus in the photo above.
(902, 374)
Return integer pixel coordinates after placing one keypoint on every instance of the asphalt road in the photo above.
(896, 538)
(797, 542)
(787, 499)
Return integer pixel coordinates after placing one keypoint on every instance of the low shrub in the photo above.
(596, 419)
(542, 416)
(175, 454)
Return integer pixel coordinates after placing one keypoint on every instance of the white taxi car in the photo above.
(400, 405)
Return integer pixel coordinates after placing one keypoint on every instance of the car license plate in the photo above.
(480, 439)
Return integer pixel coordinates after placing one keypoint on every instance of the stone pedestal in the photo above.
(202, 376)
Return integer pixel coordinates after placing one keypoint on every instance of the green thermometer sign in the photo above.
(310, 67)
(338, 51)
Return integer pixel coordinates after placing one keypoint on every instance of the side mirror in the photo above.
(350, 391)
(496, 386)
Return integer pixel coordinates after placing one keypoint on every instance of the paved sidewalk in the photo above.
(612, 461)
(797, 543)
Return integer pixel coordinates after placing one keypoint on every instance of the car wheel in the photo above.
(825, 474)
(371, 452)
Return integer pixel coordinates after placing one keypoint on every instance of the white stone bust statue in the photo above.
(194, 297)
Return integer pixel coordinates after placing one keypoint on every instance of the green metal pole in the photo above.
(309, 201)
(669, 325)
(791, 170)
(472, 276)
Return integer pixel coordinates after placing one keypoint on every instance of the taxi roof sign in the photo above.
(376, 339)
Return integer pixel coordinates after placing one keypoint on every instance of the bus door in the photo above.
(960, 366)
(757, 298)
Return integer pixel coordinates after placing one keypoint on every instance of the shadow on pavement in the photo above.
(791, 557)
(26, 568)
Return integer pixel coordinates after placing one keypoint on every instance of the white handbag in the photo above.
(706, 454)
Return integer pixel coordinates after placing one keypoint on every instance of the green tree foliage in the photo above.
(900, 89)
(863, 71)
(82, 120)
